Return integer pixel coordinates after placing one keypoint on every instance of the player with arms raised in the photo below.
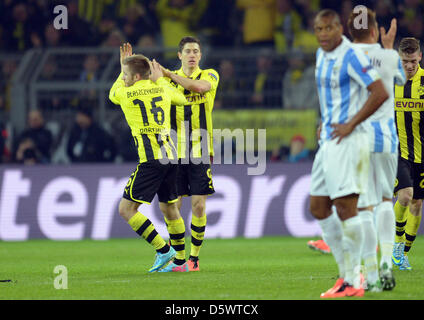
(193, 124)
(145, 98)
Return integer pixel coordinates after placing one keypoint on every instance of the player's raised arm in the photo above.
(199, 86)
(388, 39)
(176, 96)
(124, 51)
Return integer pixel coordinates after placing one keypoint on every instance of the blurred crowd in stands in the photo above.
(272, 28)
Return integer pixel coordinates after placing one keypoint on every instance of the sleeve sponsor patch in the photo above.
(365, 69)
(213, 76)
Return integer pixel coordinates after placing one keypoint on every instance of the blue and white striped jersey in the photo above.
(342, 77)
(381, 124)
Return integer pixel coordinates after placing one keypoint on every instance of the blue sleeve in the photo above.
(360, 69)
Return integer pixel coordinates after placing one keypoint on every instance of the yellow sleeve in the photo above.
(114, 91)
(211, 76)
(177, 97)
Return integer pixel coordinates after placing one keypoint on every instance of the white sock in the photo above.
(353, 236)
(332, 234)
(369, 254)
(386, 226)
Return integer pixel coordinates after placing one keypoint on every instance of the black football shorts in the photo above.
(410, 174)
(194, 179)
(151, 178)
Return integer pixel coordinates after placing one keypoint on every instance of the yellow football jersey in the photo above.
(193, 118)
(147, 106)
(409, 108)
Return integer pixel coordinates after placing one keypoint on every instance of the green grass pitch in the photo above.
(269, 268)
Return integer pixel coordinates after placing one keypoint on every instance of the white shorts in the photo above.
(341, 169)
(381, 179)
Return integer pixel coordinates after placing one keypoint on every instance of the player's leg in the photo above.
(412, 224)
(385, 222)
(404, 191)
(385, 217)
(347, 166)
(413, 219)
(168, 203)
(369, 253)
(141, 188)
(128, 210)
(401, 209)
(321, 208)
(198, 227)
(201, 185)
(181, 184)
(176, 229)
(353, 236)
(365, 212)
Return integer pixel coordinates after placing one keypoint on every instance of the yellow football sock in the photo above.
(401, 214)
(145, 228)
(176, 230)
(411, 228)
(198, 226)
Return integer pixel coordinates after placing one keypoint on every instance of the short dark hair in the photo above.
(188, 39)
(409, 45)
(138, 64)
(328, 13)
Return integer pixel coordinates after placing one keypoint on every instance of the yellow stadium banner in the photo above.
(280, 125)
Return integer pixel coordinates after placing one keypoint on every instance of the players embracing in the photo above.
(191, 124)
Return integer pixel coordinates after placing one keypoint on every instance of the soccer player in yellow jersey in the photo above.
(145, 98)
(192, 123)
(409, 186)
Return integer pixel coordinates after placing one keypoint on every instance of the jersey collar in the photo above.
(194, 75)
(418, 74)
(143, 81)
(367, 45)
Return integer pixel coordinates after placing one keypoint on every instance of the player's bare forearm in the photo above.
(378, 95)
(319, 130)
(199, 86)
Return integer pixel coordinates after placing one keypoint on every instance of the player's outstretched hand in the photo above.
(341, 130)
(156, 71)
(165, 71)
(388, 39)
(125, 51)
